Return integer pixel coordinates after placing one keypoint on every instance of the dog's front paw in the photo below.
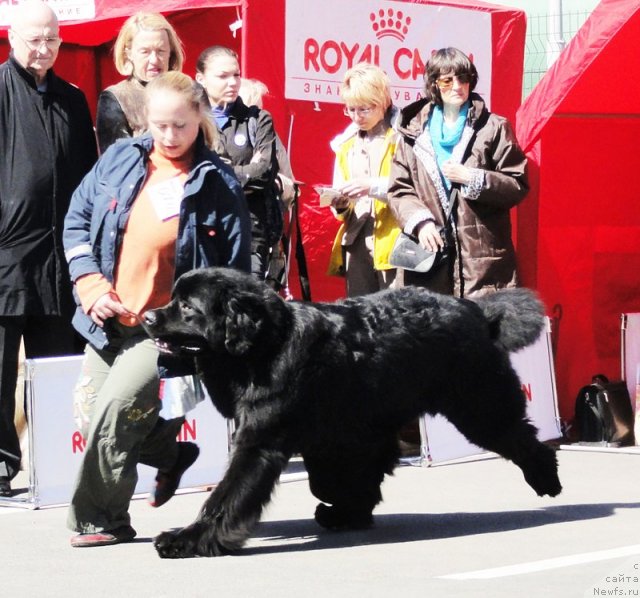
(188, 542)
(337, 518)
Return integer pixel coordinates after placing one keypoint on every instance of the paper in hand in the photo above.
(327, 195)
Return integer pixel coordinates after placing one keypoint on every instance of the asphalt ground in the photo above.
(472, 528)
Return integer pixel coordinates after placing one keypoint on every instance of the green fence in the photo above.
(537, 44)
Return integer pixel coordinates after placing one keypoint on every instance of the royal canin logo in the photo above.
(390, 23)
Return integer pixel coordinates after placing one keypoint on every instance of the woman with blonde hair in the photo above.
(147, 46)
(252, 91)
(152, 208)
(363, 159)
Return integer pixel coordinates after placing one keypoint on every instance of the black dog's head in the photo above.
(219, 310)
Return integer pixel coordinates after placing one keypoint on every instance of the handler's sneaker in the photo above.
(167, 482)
(124, 533)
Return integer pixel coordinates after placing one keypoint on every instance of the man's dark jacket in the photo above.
(47, 145)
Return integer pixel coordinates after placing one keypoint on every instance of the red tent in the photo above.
(578, 231)
(85, 57)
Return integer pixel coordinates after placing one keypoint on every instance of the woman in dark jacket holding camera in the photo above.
(455, 156)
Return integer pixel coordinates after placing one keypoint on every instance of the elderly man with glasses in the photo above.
(47, 145)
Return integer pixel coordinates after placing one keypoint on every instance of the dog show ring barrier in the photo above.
(630, 361)
(56, 446)
(441, 441)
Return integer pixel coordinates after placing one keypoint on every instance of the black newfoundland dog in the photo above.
(335, 382)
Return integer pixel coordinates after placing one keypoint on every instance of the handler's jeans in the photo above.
(120, 388)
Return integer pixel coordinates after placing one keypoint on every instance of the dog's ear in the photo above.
(243, 322)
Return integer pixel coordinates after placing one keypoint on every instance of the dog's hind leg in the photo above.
(348, 482)
(537, 461)
(493, 416)
(234, 507)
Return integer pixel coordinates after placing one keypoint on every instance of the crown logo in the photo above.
(390, 23)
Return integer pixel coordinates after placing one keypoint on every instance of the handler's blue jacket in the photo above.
(214, 227)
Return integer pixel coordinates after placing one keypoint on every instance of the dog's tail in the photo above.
(516, 317)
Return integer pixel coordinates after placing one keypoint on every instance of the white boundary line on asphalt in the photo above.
(544, 565)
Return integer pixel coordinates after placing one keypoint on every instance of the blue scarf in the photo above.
(221, 114)
(445, 138)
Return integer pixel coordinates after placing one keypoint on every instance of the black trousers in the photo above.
(44, 336)
(259, 245)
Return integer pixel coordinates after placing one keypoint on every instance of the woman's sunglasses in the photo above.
(447, 82)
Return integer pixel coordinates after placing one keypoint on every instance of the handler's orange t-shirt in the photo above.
(146, 264)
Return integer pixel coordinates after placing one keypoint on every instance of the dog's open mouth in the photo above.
(169, 348)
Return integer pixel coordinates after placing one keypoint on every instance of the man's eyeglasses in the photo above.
(35, 43)
(357, 111)
(447, 82)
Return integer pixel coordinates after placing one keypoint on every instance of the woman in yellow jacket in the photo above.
(361, 172)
